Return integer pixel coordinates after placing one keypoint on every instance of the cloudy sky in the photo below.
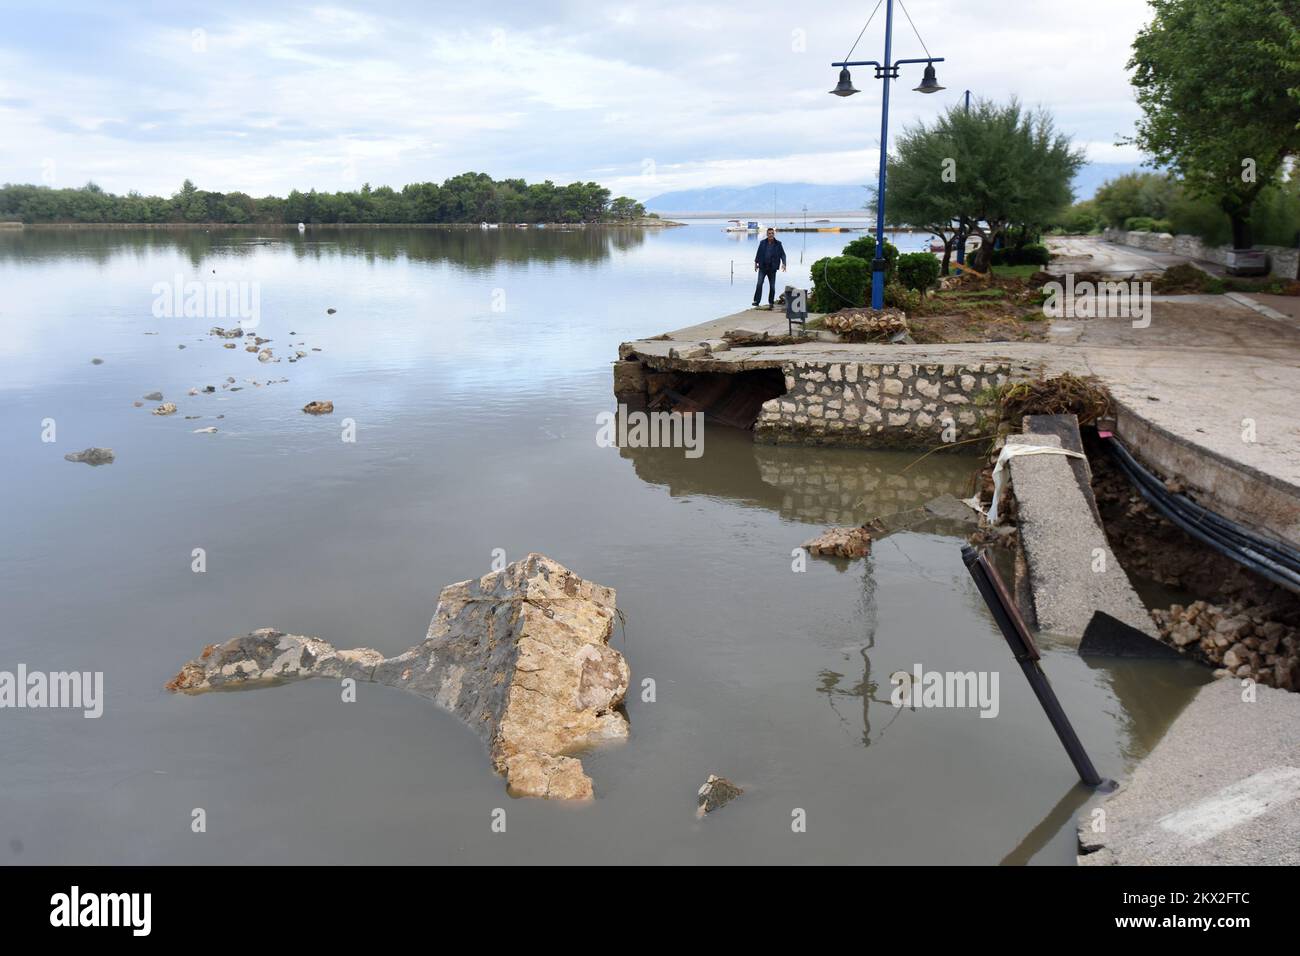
(641, 97)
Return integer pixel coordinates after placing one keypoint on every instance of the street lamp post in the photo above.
(961, 229)
(885, 72)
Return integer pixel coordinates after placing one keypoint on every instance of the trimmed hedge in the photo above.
(864, 247)
(839, 282)
(918, 270)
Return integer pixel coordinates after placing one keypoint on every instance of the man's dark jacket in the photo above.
(770, 255)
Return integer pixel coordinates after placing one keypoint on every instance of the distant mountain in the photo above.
(791, 198)
(788, 198)
(1091, 177)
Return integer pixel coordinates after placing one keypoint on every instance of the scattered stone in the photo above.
(717, 792)
(521, 655)
(166, 408)
(330, 311)
(318, 408)
(228, 345)
(1238, 638)
(227, 333)
(180, 346)
(190, 418)
(138, 404)
(92, 456)
(211, 429)
(840, 543)
(209, 389)
(97, 361)
(250, 348)
(230, 380)
(194, 391)
(264, 355)
(154, 397)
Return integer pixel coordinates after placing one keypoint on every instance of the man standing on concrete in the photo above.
(770, 255)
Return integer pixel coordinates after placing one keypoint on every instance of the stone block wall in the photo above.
(882, 406)
(1284, 263)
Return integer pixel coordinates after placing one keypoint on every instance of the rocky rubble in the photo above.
(716, 792)
(92, 456)
(840, 543)
(521, 655)
(1239, 640)
(866, 322)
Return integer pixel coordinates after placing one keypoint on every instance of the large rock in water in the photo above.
(522, 655)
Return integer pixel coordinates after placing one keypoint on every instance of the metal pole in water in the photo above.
(1024, 650)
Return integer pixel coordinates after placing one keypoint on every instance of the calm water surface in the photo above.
(473, 365)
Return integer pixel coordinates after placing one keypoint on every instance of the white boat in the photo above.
(302, 227)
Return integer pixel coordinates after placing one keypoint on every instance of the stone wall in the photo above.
(882, 406)
(1284, 263)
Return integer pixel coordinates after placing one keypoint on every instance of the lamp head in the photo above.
(845, 86)
(928, 82)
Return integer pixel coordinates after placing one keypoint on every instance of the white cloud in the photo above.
(328, 96)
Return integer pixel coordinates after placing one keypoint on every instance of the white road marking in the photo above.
(1234, 805)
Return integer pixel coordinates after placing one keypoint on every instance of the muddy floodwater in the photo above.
(472, 366)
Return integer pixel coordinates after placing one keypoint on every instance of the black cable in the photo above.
(1247, 555)
(849, 56)
(1278, 551)
(914, 29)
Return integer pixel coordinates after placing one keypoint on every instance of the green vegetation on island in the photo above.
(467, 198)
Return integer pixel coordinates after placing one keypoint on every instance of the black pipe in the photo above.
(1022, 646)
(1278, 551)
(1246, 553)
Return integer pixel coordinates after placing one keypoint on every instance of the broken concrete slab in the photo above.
(1072, 572)
(1221, 788)
(521, 655)
(952, 508)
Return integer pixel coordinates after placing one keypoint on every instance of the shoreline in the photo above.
(293, 227)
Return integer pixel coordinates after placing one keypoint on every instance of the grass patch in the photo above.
(1016, 272)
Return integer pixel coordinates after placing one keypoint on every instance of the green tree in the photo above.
(995, 166)
(1219, 86)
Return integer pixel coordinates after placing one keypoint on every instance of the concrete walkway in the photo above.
(1221, 787)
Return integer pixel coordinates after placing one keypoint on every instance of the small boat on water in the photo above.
(302, 227)
(936, 245)
(739, 225)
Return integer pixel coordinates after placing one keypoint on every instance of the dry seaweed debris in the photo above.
(1066, 394)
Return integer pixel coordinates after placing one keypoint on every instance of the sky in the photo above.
(644, 98)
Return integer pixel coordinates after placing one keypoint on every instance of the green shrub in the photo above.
(918, 270)
(839, 282)
(864, 247)
(898, 296)
(1147, 224)
(1031, 255)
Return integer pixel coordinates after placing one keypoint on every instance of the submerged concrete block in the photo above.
(1072, 572)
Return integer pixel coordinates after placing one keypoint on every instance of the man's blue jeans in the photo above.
(770, 276)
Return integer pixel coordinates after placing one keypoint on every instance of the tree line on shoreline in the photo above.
(467, 198)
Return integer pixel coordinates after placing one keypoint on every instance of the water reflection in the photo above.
(824, 486)
(473, 249)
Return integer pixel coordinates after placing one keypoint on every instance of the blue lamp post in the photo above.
(929, 84)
